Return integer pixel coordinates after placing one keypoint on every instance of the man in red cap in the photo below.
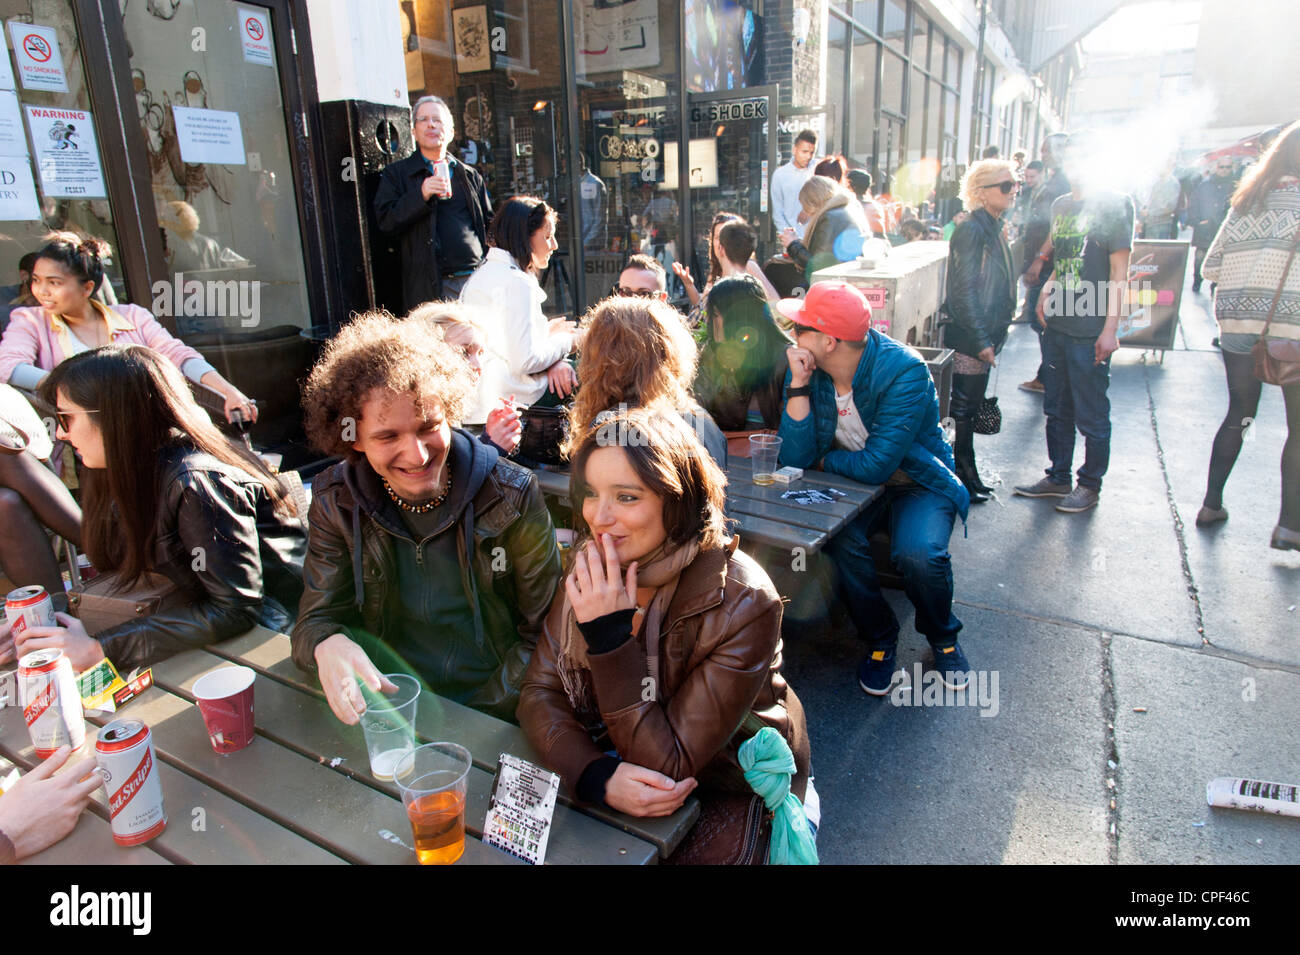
(862, 405)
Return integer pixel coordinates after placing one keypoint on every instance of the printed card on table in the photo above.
(523, 802)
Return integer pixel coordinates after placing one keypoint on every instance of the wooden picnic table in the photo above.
(302, 792)
(763, 515)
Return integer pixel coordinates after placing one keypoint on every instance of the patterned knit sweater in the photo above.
(1246, 259)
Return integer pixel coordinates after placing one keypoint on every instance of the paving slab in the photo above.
(1121, 557)
(1205, 717)
(1245, 587)
(943, 784)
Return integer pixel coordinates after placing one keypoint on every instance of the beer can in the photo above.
(47, 690)
(29, 607)
(124, 753)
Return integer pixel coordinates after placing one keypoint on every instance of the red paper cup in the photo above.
(225, 698)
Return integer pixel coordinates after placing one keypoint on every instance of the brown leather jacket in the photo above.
(720, 668)
(510, 569)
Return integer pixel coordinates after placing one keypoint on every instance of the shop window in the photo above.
(51, 158)
(506, 94)
(211, 113)
(629, 116)
(865, 71)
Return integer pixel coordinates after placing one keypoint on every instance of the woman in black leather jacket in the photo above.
(835, 227)
(981, 301)
(166, 493)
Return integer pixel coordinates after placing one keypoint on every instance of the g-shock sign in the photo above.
(729, 112)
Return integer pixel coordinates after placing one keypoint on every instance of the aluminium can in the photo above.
(29, 607)
(47, 690)
(125, 756)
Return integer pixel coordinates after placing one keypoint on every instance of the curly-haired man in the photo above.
(428, 552)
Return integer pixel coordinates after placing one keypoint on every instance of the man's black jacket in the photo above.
(401, 210)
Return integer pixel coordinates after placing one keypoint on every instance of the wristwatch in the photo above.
(803, 391)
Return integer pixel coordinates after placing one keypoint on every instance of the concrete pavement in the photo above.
(1137, 656)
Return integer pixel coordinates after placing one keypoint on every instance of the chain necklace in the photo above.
(424, 508)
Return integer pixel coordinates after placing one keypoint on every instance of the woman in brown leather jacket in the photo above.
(663, 653)
(166, 493)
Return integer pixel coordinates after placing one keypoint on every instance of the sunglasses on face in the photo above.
(1007, 186)
(634, 292)
(65, 418)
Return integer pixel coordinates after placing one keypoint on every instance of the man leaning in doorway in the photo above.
(437, 206)
(789, 179)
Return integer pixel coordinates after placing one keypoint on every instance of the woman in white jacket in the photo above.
(528, 351)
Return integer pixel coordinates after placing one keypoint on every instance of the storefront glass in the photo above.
(51, 161)
(500, 67)
(208, 98)
(629, 123)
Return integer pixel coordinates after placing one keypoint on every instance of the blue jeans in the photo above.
(1075, 395)
(920, 522)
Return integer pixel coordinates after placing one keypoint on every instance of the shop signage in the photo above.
(255, 37)
(67, 156)
(209, 135)
(17, 191)
(728, 112)
(1149, 318)
(36, 51)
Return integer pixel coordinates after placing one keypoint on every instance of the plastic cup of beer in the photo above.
(764, 450)
(389, 723)
(225, 698)
(432, 782)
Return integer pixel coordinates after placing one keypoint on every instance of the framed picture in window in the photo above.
(473, 40)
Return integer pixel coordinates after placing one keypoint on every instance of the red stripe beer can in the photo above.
(124, 753)
(47, 689)
(29, 607)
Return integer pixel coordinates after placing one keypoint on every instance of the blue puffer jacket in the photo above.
(896, 397)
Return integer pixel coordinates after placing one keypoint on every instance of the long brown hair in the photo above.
(144, 406)
(637, 352)
(669, 459)
(1282, 158)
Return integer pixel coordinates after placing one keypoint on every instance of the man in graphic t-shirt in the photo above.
(1080, 305)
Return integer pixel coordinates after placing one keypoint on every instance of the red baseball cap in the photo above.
(833, 307)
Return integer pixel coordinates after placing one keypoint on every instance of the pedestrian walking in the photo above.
(1252, 258)
(1206, 209)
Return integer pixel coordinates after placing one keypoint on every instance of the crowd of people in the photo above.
(641, 654)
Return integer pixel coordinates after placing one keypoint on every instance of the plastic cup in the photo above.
(225, 698)
(432, 779)
(389, 724)
(764, 450)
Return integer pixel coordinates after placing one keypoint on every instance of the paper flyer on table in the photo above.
(523, 802)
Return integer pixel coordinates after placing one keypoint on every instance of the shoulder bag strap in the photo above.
(1295, 240)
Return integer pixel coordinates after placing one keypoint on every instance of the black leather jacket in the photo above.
(401, 211)
(509, 562)
(981, 286)
(248, 550)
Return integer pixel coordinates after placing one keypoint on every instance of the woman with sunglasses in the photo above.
(166, 493)
(981, 302)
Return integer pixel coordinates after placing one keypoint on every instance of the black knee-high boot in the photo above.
(967, 393)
